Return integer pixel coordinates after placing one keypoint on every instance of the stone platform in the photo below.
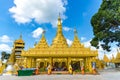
(110, 74)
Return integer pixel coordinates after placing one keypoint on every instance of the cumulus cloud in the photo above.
(36, 33)
(69, 42)
(67, 29)
(101, 51)
(83, 38)
(41, 11)
(87, 43)
(5, 47)
(5, 39)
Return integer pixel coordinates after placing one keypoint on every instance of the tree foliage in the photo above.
(106, 25)
(4, 55)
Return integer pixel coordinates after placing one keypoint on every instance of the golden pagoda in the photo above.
(113, 59)
(117, 59)
(16, 51)
(59, 55)
(105, 58)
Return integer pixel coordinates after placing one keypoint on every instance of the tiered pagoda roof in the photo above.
(59, 41)
(59, 47)
(42, 43)
(105, 58)
(117, 59)
(76, 43)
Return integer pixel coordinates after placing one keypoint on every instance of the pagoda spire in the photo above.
(112, 58)
(20, 36)
(105, 58)
(59, 40)
(75, 32)
(43, 33)
(42, 43)
(76, 43)
(59, 25)
(118, 50)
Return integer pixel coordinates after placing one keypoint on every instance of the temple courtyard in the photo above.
(107, 74)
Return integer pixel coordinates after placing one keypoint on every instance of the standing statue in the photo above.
(70, 69)
(49, 69)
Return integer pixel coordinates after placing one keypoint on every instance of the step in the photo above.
(60, 72)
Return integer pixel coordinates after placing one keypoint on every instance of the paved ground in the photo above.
(109, 74)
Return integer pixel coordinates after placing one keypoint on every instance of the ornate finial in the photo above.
(35, 43)
(118, 50)
(20, 36)
(112, 55)
(75, 32)
(104, 53)
(59, 17)
(59, 21)
(43, 33)
(59, 14)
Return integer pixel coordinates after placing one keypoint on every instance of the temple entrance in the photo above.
(75, 65)
(59, 66)
(41, 64)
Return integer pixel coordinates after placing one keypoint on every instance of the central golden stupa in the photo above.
(59, 55)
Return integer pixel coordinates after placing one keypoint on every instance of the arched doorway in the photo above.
(59, 66)
(75, 65)
(41, 64)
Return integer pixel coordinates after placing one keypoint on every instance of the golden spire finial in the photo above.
(20, 36)
(118, 50)
(59, 20)
(104, 52)
(43, 33)
(112, 56)
(35, 43)
(59, 16)
(75, 32)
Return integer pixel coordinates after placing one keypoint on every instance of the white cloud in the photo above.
(69, 42)
(36, 33)
(87, 43)
(83, 38)
(5, 47)
(5, 39)
(67, 29)
(101, 51)
(42, 11)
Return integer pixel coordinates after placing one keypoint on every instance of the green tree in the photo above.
(4, 55)
(106, 25)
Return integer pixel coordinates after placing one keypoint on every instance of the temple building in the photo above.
(116, 61)
(59, 55)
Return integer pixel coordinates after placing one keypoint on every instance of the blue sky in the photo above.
(30, 17)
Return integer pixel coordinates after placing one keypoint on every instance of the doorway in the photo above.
(59, 66)
(75, 65)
